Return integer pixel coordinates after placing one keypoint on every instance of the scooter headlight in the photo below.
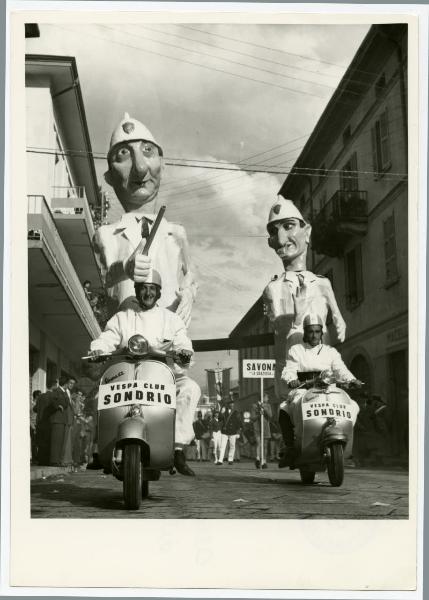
(326, 377)
(138, 345)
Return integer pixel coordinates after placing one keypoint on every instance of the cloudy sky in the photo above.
(230, 94)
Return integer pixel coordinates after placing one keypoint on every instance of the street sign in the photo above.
(259, 367)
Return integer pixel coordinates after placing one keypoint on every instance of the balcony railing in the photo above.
(72, 201)
(343, 216)
(43, 232)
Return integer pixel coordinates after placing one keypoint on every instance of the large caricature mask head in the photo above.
(135, 164)
(289, 234)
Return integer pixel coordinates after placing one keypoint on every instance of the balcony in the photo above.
(55, 291)
(73, 219)
(344, 216)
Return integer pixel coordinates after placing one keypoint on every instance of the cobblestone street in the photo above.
(236, 491)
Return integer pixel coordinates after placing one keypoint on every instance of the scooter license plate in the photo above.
(126, 393)
(324, 408)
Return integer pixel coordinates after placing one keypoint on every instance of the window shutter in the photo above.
(384, 140)
(359, 273)
(374, 151)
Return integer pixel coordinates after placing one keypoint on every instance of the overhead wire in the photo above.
(210, 68)
(277, 74)
(302, 56)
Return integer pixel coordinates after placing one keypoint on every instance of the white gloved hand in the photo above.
(341, 330)
(138, 268)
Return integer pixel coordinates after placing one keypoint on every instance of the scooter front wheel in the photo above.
(336, 464)
(132, 476)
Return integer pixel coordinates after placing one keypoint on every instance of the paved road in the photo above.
(238, 491)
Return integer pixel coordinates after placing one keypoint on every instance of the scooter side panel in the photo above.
(160, 421)
(108, 420)
(158, 429)
(313, 427)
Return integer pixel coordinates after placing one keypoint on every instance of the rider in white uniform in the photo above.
(164, 330)
(309, 356)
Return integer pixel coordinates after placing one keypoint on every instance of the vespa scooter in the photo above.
(136, 416)
(326, 423)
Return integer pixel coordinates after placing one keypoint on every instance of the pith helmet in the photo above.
(154, 277)
(312, 319)
(284, 209)
(129, 129)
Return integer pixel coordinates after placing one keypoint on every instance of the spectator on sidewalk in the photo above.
(275, 440)
(43, 425)
(61, 423)
(216, 435)
(202, 437)
(33, 423)
(231, 425)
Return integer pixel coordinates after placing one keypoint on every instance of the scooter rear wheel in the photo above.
(132, 476)
(336, 464)
(307, 477)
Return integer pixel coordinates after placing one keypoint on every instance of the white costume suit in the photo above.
(116, 242)
(163, 330)
(303, 357)
(287, 300)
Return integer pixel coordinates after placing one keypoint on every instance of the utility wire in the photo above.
(189, 62)
(275, 73)
(252, 56)
(343, 80)
(220, 166)
(319, 60)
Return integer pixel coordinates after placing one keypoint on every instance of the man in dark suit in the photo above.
(43, 425)
(61, 422)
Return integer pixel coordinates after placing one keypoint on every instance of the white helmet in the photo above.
(312, 319)
(129, 129)
(284, 209)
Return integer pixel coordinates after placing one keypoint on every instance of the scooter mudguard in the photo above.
(317, 407)
(153, 426)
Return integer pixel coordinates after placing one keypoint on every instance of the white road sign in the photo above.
(259, 367)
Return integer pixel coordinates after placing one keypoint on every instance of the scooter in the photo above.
(327, 428)
(136, 416)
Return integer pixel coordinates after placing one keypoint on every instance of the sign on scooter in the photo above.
(126, 393)
(325, 408)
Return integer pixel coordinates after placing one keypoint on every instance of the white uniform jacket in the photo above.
(291, 296)
(163, 329)
(116, 242)
(303, 357)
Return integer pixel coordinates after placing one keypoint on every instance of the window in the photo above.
(381, 145)
(391, 264)
(349, 177)
(354, 277)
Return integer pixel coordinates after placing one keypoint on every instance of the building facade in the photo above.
(350, 182)
(62, 193)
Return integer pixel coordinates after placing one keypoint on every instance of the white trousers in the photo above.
(217, 439)
(188, 394)
(224, 440)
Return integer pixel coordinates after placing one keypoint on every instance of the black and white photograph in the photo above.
(217, 252)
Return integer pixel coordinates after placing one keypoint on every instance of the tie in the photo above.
(145, 227)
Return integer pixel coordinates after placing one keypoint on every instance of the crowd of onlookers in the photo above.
(61, 426)
(99, 303)
(226, 434)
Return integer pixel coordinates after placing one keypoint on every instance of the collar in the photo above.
(308, 347)
(130, 219)
(292, 276)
